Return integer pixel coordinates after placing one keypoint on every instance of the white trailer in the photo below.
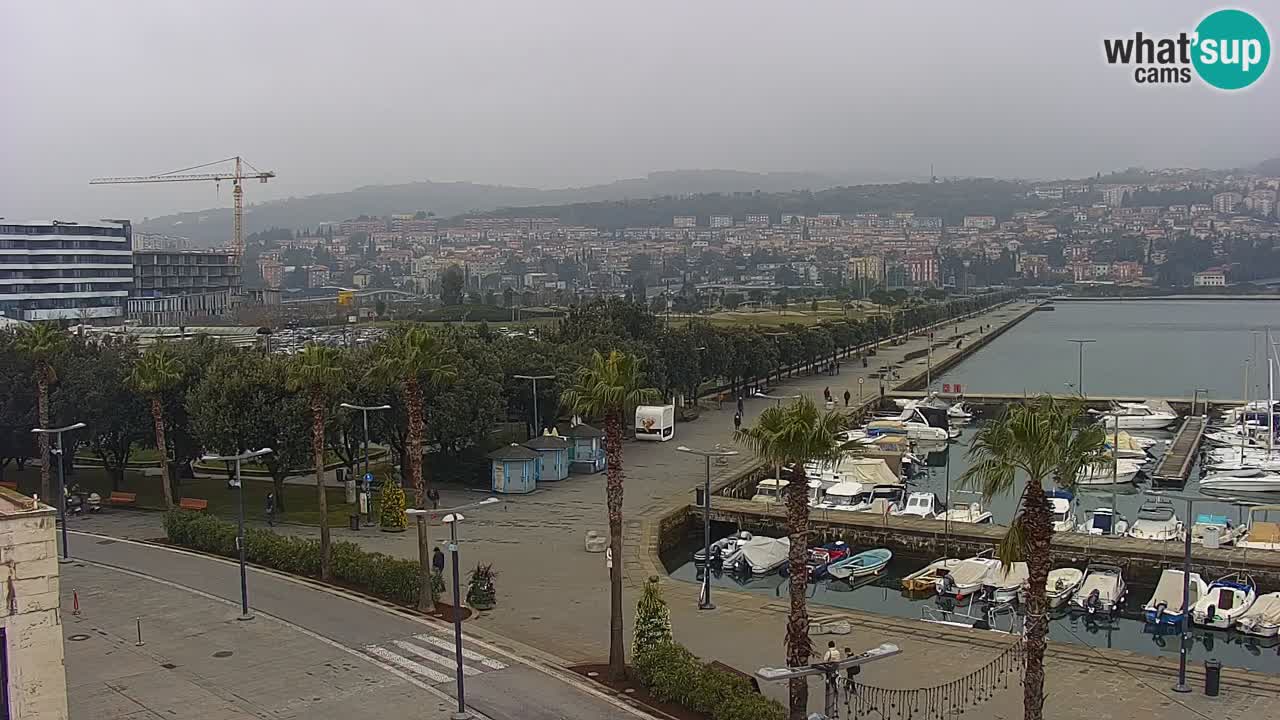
(655, 422)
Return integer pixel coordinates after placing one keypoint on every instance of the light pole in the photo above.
(1080, 343)
(704, 601)
(1186, 585)
(537, 419)
(452, 519)
(368, 478)
(244, 581)
(830, 671)
(62, 484)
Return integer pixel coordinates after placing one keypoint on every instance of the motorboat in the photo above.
(1265, 482)
(960, 412)
(923, 505)
(966, 578)
(1103, 521)
(1262, 533)
(1165, 605)
(1101, 591)
(881, 498)
(926, 578)
(910, 430)
(1263, 619)
(1123, 445)
(1003, 582)
(1060, 512)
(763, 555)
(1226, 600)
(879, 506)
(1156, 520)
(1059, 586)
(863, 564)
(1119, 472)
(1151, 415)
(967, 513)
(822, 557)
(845, 495)
(1213, 530)
(770, 490)
(723, 549)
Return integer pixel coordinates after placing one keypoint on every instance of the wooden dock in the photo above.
(1175, 465)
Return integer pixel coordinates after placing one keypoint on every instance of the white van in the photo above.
(655, 422)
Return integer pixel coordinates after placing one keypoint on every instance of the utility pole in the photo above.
(1080, 343)
(537, 419)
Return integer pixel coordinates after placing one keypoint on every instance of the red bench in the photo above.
(193, 504)
(123, 498)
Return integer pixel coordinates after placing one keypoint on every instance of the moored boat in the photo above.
(723, 549)
(1058, 586)
(1156, 520)
(1165, 605)
(1263, 619)
(1226, 600)
(763, 555)
(926, 578)
(1101, 591)
(1103, 521)
(965, 579)
(822, 557)
(1003, 582)
(867, 562)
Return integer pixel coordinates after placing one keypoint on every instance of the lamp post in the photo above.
(1186, 585)
(830, 671)
(368, 479)
(62, 484)
(452, 519)
(1080, 343)
(704, 600)
(244, 581)
(537, 419)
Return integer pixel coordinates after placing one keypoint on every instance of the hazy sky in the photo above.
(332, 95)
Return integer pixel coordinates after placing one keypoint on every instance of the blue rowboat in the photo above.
(863, 564)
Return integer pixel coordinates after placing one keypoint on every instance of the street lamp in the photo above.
(1186, 584)
(368, 477)
(537, 419)
(62, 484)
(244, 582)
(1080, 343)
(704, 601)
(831, 671)
(452, 519)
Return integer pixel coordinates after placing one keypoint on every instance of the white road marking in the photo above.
(416, 668)
(468, 654)
(433, 657)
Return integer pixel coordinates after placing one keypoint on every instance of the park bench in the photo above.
(193, 504)
(122, 498)
(11, 485)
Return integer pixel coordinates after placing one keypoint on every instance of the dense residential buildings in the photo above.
(55, 270)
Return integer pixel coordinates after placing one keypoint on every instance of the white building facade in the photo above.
(53, 270)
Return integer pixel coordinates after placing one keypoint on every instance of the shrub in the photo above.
(653, 618)
(391, 513)
(480, 589)
(673, 674)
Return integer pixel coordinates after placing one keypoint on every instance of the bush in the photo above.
(380, 575)
(391, 513)
(480, 589)
(653, 619)
(673, 674)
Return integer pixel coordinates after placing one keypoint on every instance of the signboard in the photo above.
(345, 296)
(946, 387)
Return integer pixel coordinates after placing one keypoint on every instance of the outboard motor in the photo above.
(1160, 608)
(946, 585)
(1093, 603)
(1210, 614)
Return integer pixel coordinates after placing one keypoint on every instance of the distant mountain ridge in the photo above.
(445, 199)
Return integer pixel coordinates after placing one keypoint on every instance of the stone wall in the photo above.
(30, 610)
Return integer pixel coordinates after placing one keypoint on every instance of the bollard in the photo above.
(75, 603)
(139, 643)
(1212, 677)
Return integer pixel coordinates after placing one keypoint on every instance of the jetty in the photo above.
(1175, 465)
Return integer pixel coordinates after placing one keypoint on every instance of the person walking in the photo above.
(437, 561)
(847, 395)
(739, 404)
(434, 496)
(826, 394)
(737, 422)
(271, 509)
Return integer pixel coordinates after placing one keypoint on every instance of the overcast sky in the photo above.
(332, 95)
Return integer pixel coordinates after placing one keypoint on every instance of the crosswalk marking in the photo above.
(468, 654)
(432, 656)
(416, 668)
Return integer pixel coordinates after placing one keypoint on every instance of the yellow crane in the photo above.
(185, 175)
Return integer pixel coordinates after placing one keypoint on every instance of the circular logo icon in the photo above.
(1232, 49)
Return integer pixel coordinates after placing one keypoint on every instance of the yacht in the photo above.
(910, 430)
(923, 505)
(1101, 591)
(1263, 618)
(1061, 584)
(1225, 601)
(1121, 472)
(1213, 530)
(881, 498)
(1151, 415)
(1103, 521)
(1156, 521)
(844, 495)
(1262, 533)
(967, 513)
(1165, 605)
(1263, 482)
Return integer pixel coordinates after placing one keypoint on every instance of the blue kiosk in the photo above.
(514, 469)
(554, 451)
(586, 448)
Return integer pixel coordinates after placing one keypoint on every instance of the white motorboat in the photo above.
(926, 578)
(967, 513)
(966, 577)
(1263, 533)
(1060, 512)
(910, 430)
(1101, 591)
(923, 505)
(763, 555)
(1103, 521)
(1265, 482)
(1165, 605)
(844, 495)
(1263, 619)
(1003, 582)
(960, 412)
(723, 549)
(1151, 415)
(1156, 520)
(1226, 600)
(770, 490)
(1213, 530)
(1125, 447)
(1061, 584)
(1121, 472)
(881, 498)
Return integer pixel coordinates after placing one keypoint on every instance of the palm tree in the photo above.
(1037, 439)
(42, 343)
(794, 435)
(157, 373)
(609, 387)
(317, 370)
(410, 358)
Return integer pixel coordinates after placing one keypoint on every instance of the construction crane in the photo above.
(184, 175)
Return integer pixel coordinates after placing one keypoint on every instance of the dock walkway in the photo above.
(1175, 465)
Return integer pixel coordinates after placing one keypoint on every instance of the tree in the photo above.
(1037, 439)
(653, 619)
(155, 375)
(794, 435)
(318, 371)
(41, 344)
(451, 286)
(414, 357)
(17, 404)
(609, 387)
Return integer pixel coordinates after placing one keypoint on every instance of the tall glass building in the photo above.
(55, 270)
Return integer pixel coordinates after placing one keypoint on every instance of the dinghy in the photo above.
(865, 563)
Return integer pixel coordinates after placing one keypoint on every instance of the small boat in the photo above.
(1262, 533)
(1103, 521)
(926, 578)
(723, 549)
(1101, 591)
(1226, 600)
(1003, 582)
(1165, 605)
(868, 562)
(1060, 511)
(960, 412)
(1156, 521)
(845, 495)
(968, 513)
(965, 579)
(1263, 619)
(770, 490)
(1263, 482)
(1153, 415)
(763, 555)
(1060, 585)
(1120, 473)
(923, 505)
(1217, 526)
(822, 557)
(1126, 447)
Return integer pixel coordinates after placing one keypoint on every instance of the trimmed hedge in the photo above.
(377, 574)
(673, 674)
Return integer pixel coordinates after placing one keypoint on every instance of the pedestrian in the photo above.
(739, 404)
(852, 670)
(434, 496)
(437, 561)
(271, 509)
(832, 654)
(826, 394)
(737, 422)
(847, 395)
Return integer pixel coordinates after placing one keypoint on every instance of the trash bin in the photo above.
(353, 520)
(697, 497)
(1212, 676)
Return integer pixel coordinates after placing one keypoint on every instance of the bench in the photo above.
(123, 498)
(193, 504)
(10, 485)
